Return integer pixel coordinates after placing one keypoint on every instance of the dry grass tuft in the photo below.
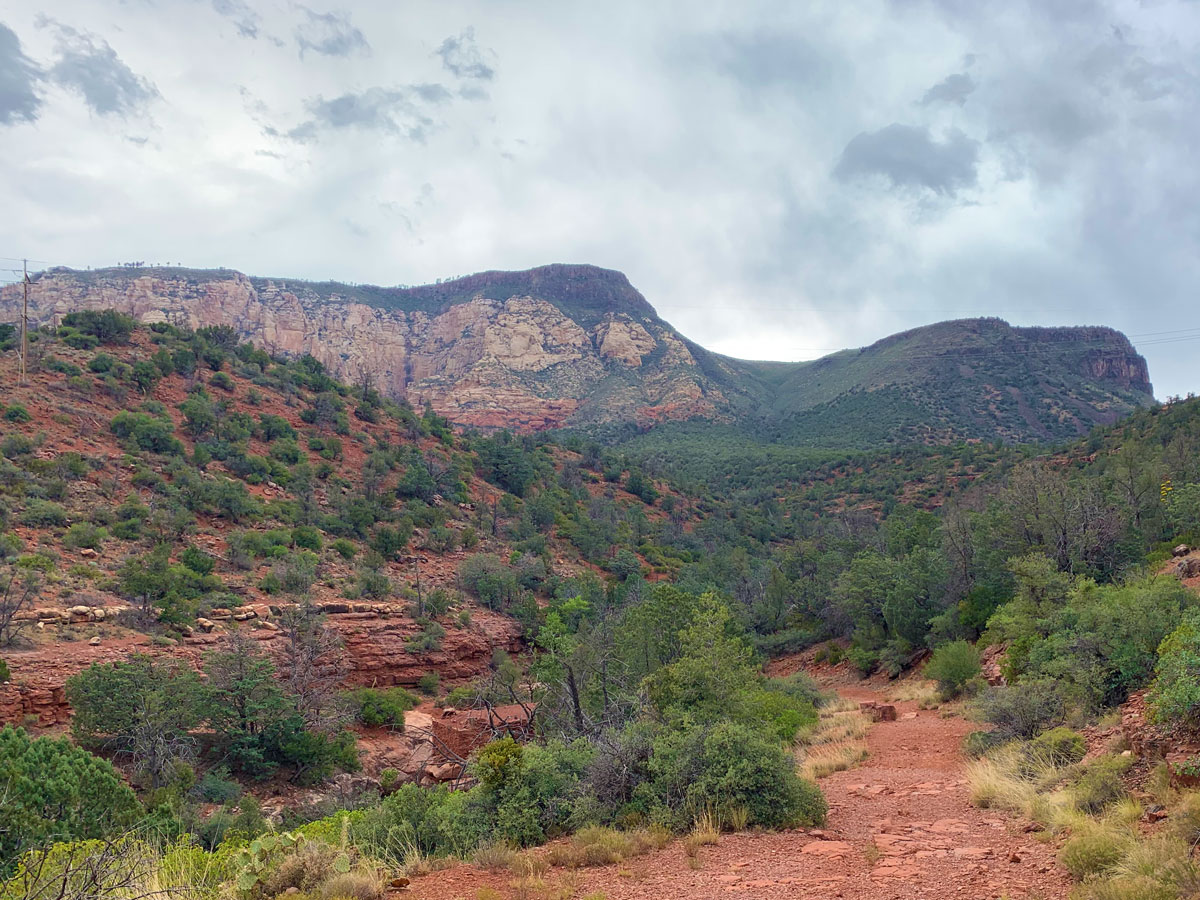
(352, 886)
(925, 693)
(494, 857)
(529, 864)
(825, 759)
(837, 742)
(704, 834)
(536, 887)
(598, 846)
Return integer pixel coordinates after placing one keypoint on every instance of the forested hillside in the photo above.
(232, 577)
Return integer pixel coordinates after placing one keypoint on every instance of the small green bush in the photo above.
(101, 363)
(221, 380)
(15, 445)
(1023, 710)
(344, 548)
(952, 666)
(307, 537)
(83, 534)
(1093, 851)
(17, 413)
(863, 660)
(1059, 747)
(197, 560)
(1100, 783)
(215, 786)
(1175, 695)
(43, 514)
(383, 706)
(980, 743)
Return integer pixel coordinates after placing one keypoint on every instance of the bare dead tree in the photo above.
(313, 664)
(19, 591)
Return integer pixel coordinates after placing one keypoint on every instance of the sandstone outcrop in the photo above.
(502, 360)
(575, 345)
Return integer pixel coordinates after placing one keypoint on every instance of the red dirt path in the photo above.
(900, 826)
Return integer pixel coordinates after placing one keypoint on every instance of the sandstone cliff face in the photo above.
(577, 345)
(516, 362)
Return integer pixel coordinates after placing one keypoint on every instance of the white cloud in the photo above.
(777, 179)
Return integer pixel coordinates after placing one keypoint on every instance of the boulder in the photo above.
(883, 712)
(1188, 568)
(1181, 550)
(205, 625)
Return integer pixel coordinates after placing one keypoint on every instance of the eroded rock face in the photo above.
(518, 362)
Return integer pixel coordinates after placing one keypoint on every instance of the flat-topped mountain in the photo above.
(576, 345)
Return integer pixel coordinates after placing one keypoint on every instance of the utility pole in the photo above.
(24, 320)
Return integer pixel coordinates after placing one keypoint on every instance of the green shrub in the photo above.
(107, 325)
(75, 338)
(5, 674)
(1175, 694)
(344, 548)
(863, 660)
(729, 767)
(15, 445)
(1093, 851)
(43, 514)
(980, 743)
(221, 380)
(428, 683)
(952, 666)
(307, 537)
(215, 786)
(1059, 747)
(487, 577)
(83, 534)
(1023, 710)
(1100, 783)
(101, 363)
(17, 413)
(383, 706)
(197, 560)
(54, 364)
(55, 790)
(149, 433)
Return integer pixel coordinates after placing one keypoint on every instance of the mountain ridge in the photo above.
(578, 345)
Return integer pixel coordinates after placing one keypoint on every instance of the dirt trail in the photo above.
(900, 826)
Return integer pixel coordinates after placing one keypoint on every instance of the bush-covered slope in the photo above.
(578, 345)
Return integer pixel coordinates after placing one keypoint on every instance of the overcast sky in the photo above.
(779, 179)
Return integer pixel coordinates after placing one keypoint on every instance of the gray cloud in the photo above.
(765, 58)
(707, 156)
(18, 79)
(88, 65)
(952, 89)
(908, 156)
(404, 111)
(462, 57)
(243, 17)
(330, 34)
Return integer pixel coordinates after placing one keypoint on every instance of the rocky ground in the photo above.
(900, 826)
